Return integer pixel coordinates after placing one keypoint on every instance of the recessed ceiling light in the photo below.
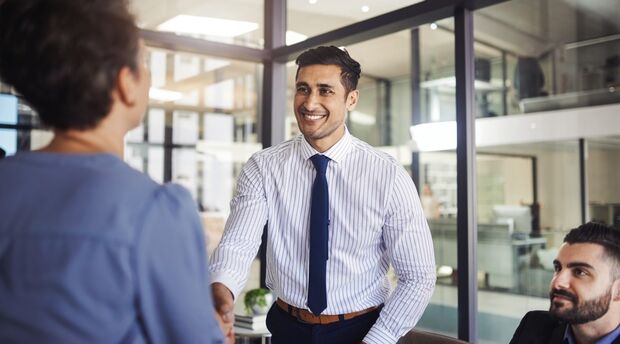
(365, 8)
(207, 26)
(433, 26)
(312, 2)
(293, 37)
(162, 95)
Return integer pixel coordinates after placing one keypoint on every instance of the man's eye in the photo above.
(326, 91)
(580, 272)
(557, 268)
(302, 89)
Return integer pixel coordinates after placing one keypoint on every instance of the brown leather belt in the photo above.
(305, 316)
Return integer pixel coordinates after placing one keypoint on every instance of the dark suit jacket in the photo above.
(540, 327)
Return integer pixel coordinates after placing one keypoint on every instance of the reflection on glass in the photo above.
(551, 64)
(203, 118)
(234, 22)
(603, 161)
(528, 198)
(185, 127)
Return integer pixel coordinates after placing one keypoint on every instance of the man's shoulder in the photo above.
(366, 151)
(540, 317)
(282, 148)
(539, 327)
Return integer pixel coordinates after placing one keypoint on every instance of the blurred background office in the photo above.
(547, 95)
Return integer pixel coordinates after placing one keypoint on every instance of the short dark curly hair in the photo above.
(350, 70)
(600, 234)
(63, 56)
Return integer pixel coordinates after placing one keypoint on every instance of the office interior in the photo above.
(546, 103)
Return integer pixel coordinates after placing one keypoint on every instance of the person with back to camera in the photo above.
(338, 213)
(91, 250)
(584, 292)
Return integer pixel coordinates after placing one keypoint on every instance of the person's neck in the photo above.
(324, 144)
(101, 139)
(589, 333)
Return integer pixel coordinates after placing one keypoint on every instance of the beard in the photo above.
(581, 312)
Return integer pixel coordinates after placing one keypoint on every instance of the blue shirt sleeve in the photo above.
(174, 294)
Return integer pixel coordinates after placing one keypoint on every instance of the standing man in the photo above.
(338, 214)
(584, 292)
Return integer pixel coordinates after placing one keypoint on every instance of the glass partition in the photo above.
(556, 54)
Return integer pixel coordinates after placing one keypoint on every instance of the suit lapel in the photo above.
(557, 336)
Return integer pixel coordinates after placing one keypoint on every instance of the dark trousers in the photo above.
(285, 328)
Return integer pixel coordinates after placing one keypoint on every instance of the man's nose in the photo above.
(312, 101)
(561, 280)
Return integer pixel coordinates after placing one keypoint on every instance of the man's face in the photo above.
(581, 287)
(321, 103)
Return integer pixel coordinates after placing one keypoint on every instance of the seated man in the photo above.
(584, 292)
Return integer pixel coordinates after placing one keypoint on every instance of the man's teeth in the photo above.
(314, 117)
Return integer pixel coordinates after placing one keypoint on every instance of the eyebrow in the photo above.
(303, 83)
(575, 264)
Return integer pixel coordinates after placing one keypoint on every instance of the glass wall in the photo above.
(237, 22)
(557, 59)
(558, 54)
(201, 127)
(307, 18)
(602, 166)
(436, 171)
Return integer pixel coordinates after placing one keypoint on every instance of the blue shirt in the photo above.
(92, 251)
(608, 339)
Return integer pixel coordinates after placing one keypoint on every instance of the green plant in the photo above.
(255, 297)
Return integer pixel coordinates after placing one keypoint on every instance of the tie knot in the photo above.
(320, 163)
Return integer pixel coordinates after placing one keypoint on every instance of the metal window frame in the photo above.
(272, 108)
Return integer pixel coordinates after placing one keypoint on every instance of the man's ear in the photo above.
(352, 100)
(616, 290)
(126, 86)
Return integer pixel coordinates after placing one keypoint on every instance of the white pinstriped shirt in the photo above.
(376, 220)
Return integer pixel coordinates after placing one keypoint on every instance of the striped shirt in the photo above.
(376, 219)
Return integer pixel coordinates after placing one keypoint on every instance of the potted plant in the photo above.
(257, 301)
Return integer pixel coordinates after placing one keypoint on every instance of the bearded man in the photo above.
(584, 292)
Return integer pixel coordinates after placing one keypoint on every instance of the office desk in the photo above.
(500, 255)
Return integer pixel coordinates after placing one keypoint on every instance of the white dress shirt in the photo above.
(376, 219)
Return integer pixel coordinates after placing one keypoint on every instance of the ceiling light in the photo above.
(433, 26)
(312, 2)
(293, 37)
(365, 8)
(186, 24)
(162, 95)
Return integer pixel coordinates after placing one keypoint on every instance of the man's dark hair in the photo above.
(63, 56)
(350, 70)
(600, 234)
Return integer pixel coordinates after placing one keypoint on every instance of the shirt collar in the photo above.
(336, 153)
(608, 339)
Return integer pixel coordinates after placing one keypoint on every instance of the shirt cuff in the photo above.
(379, 335)
(228, 281)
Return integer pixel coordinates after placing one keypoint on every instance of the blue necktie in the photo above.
(319, 220)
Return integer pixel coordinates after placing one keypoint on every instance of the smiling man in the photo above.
(584, 292)
(338, 214)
